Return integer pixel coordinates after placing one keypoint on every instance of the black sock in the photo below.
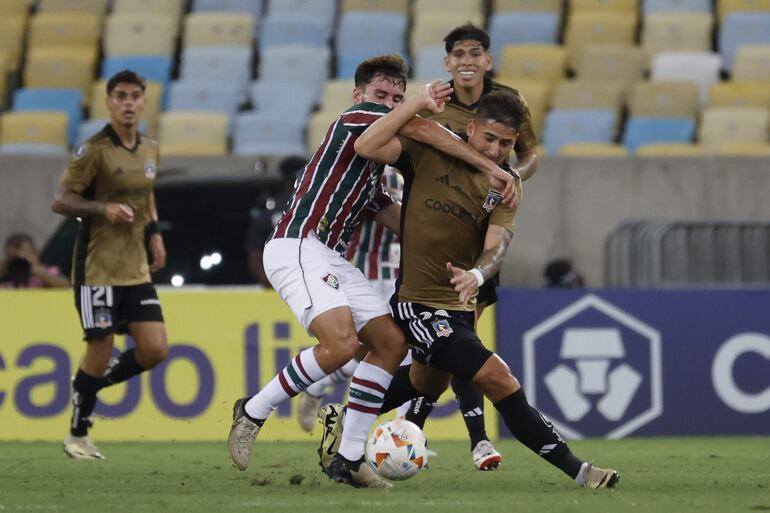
(419, 410)
(84, 389)
(531, 429)
(125, 368)
(471, 403)
(399, 391)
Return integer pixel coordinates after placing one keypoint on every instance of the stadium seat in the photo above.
(603, 6)
(690, 31)
(366, 34)
(593, 150)
(319, 124)
(337, 95)
(641, 131)
(727, 7)
(728, 125)
(193, 133)
(542, 62)
(752, 63)
(315, 9)
(588, 94)
(33, 132)
(578, 126)
(213, 95)
(287, 30)
(137, 34)
(537, 94)
(429, 64)
(3, 77)
(468, 7)
(253, 7)
(745, 150)
(162, 7)
(153, 95)
(619, 63)
(94, 7)
(218, 29)
(742, 28)
(740, 93)
(224, 63)
(670, 150)
(268, 134)
(671, 6)
(701, 68)
(664, 99)
(14, 8)
(554, 6)
(400, 6)
(63, 29)
(151, 68)
(307, 64)
(522, 28)
(584, 28)
(431, 30)
(60, 68)
(12, 39)
(69, 101)
(291, 98)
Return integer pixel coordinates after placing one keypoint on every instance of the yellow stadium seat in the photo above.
(740, 93)
(34, 127)
(60, 68)
(399, 6)
(316, 129)
(588, 94)
(663, 32)
(12, 39)
(467, 7)
(430, 30)
(554, 6)
(752, 62)
(193, 133)
(54, 29)
(664, 99)
(584, 28)
(337, 95)
(218, 29)
(600, 6)
(14, 8)
(670, 150)
(721, 126)
(3, 76)
(154, 7)
(94, 7)
(620, 63)
(544, 62)
(98, 108)
(593, 150)
(137, 34)
(745, 150)
(725, 7)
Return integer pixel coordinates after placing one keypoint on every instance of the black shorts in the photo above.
(444, 339)
(108, 309)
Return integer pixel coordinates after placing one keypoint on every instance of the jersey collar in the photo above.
(115, 138)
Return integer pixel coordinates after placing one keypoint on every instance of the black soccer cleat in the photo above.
(357, 474)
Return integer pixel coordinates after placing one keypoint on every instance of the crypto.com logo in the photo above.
(594, 370)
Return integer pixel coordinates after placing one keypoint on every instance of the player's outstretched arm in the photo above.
(526, 164)
(72, 204)
(467, 283)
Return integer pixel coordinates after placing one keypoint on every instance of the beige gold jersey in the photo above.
(447, 207)
(103, 169)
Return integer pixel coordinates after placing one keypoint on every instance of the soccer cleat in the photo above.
(243, 432)
(331, 418)
(357, 474)
(485, 457)
(307, 411)
(81, 448)
(594, 477)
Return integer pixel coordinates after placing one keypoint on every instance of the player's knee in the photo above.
(340, 346)
(150, 355)
(495, 379)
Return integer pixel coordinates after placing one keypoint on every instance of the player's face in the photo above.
(468, 62)
(492, 139)
(381, 90)
(126, 104)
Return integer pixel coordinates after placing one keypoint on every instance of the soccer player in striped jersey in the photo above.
(329, 296)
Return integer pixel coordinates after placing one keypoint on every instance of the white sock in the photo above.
(367, 391)
(402, 410)
(301, 372)
(580, 478)
(341, 375)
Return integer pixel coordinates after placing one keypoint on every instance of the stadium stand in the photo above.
(677, 31)
(429, 64)
(623, 64)
(593, 150)
(541, 62)
(219, 29)
(193, 133)
(742, 28)
(252, 7)
(269, 134)
(554, 6)
(670, 150)
(172, 7)
(740, 93)
(94, 7)
(522, 28)
(60, 68)
(362, 34)
(701, 68)
(288, 30)
(210, 95)
(578, 126)
(293, 99)
(752, 62)
(400, 6)
(640, 131)
(135, 34)
(584, 28)
(721, 126)
(69, 101)
(12, 38)
(38, 132)
(70, 29)
(670, 6)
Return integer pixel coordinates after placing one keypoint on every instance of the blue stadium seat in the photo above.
(268, 134)
(31, 149)
(672, 6)
(519, 27)
(288, 30)
(429, 63)
(228, 63)
(742, 28)
(641, 131)
(253, 7)
(151, 67)
(69, 101)
(304, 64)
(566, 126)
(205, 95)
(322, 10)
(365, 34)
(291, 98)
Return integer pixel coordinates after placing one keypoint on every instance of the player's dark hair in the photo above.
(391, 67)
(125, 77)
(502, 106)
(16, 240)
(467, 32)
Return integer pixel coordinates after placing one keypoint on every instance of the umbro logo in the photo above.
(443, 179)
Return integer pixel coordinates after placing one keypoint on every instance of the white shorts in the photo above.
(312, 279)
(384, 288)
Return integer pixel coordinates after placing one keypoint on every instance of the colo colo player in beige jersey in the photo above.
(454, 236)
(108, 184)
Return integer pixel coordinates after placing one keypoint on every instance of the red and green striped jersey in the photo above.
(336, 185)
(374, 249)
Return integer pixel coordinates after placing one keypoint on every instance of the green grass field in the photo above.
(658, 475)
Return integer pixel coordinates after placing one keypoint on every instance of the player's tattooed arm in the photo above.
(496, 244)
(72, 204)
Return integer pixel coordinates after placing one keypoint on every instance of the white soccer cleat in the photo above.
(307, 411)
(243, 432)
(485, 457)
(81, 448)
(594, 477)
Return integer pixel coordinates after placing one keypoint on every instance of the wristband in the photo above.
(479, 277)
(151, 228)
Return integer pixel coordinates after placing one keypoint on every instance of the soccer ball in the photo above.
(397, 449)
